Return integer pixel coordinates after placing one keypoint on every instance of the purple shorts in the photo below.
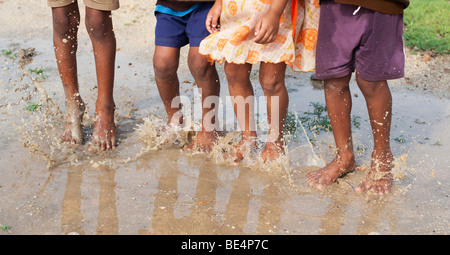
(365, 41)
(176, 32)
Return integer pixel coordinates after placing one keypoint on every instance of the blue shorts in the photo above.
(176, 32)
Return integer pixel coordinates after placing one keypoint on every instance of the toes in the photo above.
(237, 162)
(109, 144)
(384, 189)
(95, 143)
(312, 178)
(102, 145)
(69, 138)
(239, 157)
(320, 186)
(190, 147)
(387, 189)
(113, 142)
(362, 187)
(359, 189)
(207, 149)
(63, 138)
(376, 188)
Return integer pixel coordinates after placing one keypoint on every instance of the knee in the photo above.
(368, 91)
(65, 23)
(165, 69)
(236, 74)
(199, 66)
(336, 87)
(371, 88)
(99, 25)
(270, 84)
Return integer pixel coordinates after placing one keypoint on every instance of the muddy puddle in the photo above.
(143, 187)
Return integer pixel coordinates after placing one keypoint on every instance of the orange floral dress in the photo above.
(295, 44)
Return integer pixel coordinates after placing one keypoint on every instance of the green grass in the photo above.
(9, 54)
(38, 73)
(36, 70)
(290, 124)
(427, 26)
(316, 121)
(400, 139)
(5, 227)
(33, 107)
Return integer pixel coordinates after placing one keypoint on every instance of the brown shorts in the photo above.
(102, 5)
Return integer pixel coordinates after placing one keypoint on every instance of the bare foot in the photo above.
(326, 176)
(272, 151)
(104, 135)
(72, 132)
(246, 144)
(204, 141)
(379, 179)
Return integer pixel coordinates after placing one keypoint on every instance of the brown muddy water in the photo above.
(143, 188)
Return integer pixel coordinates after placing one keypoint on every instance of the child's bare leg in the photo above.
(100, 29)
(379, 104)
(207, 80)
(65, 27)
(271, 77)
(339, 104)
(165, 65)
(241, 92)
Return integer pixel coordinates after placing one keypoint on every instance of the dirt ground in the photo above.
(51, 188)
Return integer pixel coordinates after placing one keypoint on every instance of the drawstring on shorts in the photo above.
(356, 11)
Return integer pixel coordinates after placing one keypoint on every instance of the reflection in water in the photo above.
(333, 219)
(107, 222)
(178, 195)
(72, 215)
(168, 192)
(195, 197)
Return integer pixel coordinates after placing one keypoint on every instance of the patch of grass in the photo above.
(361, 148)
(5, 227)
(400, 139)
(438, 143)
(316, 120)
(291, 124)
(355, 121)
(36, 70)
(427, 25)
(418, 121)
(9, 54)
(39, 73)
(33, 107)
(134, 21)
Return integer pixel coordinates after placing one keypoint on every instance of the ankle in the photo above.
(382, 161)
(106, 107)
(74, 98)
(175, 120)
(347, 157)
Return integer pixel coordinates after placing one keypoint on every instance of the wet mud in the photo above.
(150, 184)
